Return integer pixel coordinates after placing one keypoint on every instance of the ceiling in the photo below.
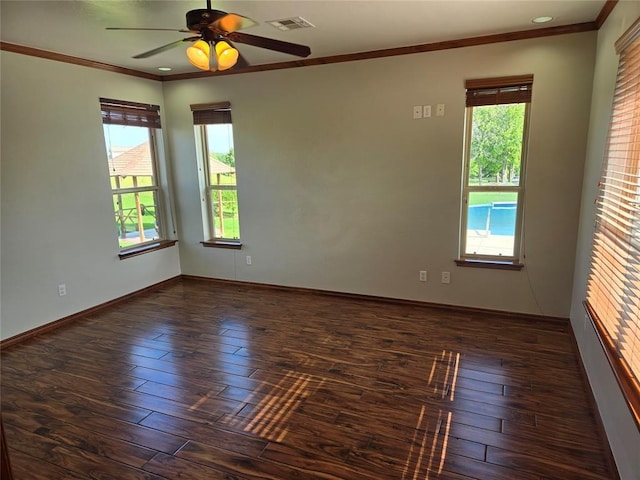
(77, 28)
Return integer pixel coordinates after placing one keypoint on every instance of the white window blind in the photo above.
(613, 289)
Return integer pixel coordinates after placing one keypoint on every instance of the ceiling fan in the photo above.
(213, 33)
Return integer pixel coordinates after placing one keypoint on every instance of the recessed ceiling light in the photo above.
(164, 69)
(541, 19)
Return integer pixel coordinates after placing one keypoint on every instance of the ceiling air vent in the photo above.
(290, 23)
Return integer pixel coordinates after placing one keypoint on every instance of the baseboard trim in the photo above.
(375, 298)
(34, 332)
(594, 405)
(29, 334)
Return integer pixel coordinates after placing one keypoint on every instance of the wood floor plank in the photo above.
(208, 410)
(27, 467)
(327, 458)
(78, 461)
(578, 470)
(89, 419)
(199, 376)
(249, 467)
(80, 438)
(213, 380)
(68, 401)
(553, 435)
(216, 435)
(175, 468)
(187, 395)
(96, 466)
(579, 452)
(392, 429)
(484, 470)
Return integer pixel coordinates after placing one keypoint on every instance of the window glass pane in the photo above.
(222, 164)
(129, 154)
(224, 205)
(491, 223)
(218, 178)
(496, 145)
(136, 217)
(119, 182)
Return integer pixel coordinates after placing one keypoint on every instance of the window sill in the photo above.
(151, 247)
(231, 244)
(629, 387)
(489, 264)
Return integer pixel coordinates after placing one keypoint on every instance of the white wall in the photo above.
(623, 434)
(57, 221)
(340, 189)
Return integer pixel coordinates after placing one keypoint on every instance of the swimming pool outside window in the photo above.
(495, 145)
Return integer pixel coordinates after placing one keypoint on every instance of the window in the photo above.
(214, 131)
(495, 146)
(613, 287)
(130, 133)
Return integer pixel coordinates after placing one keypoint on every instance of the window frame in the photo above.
(203, 115)
(125, 113)
(493, 86)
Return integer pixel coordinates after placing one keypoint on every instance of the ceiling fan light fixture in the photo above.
(226, 55)
(209, 49)
(198, 54)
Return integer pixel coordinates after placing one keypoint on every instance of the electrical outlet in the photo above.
(62, 290)
(426, 111)
(446, 277)
(248, 259)
(423, 275)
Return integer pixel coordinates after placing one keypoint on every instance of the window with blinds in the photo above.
(495, 148)
(131, 131)
(214, 134)
(613, 289)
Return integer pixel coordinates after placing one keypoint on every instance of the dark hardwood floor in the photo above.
(209, 380)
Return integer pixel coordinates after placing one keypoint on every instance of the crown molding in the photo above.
(349, 57)
(60, 57)
(607, 8)
(391, 52)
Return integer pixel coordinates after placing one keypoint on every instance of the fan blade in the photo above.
(231, 22)
(166, 47)
(152, 29)
(270, 44)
